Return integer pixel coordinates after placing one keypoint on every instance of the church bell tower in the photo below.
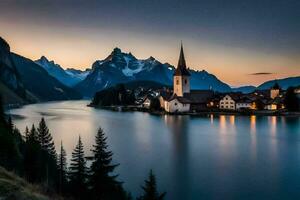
(181, 77)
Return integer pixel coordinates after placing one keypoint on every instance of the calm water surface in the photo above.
(212, 157)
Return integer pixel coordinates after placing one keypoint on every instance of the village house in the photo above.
(275, 100)
(227, 103)
(274, 104)
(146, 103)
(245, 103)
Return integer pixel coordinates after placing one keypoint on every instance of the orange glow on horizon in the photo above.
(79, 48)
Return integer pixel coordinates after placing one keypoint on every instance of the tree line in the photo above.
(33, 156)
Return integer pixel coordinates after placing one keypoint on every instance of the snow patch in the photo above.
(59, 89)
(130, 72)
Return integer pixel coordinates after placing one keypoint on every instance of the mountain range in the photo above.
(121, 67)
(69, 77)
(24, 81)
(284, 83)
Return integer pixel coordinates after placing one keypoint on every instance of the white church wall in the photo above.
(176, 106)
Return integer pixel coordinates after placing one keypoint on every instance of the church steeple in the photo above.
(181, 78)
(181, 69)
(181, 61)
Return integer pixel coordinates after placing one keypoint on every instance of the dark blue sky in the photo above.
(261, 30)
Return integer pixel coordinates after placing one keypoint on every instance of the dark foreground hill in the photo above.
(15, 188)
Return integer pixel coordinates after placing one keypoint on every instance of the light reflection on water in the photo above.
(210, 157)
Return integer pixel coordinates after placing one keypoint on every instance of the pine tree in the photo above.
(49, 157)
(45, 138)
(32, 158)
(10, 156)
(26, 133)
(103, 184)
(150, 189)
(78, 171)
(62, 169)
(10, 125)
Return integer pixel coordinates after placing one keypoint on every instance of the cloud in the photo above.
(261, 73)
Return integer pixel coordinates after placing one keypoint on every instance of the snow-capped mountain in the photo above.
(68, 77)
(121, 67)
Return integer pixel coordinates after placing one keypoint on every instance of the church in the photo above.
(183, 99)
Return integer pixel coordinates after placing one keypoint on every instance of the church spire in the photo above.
(181, 67)
(181, 61)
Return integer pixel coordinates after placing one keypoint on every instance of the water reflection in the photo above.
(211, 119)
(178, 126)
(223, 124)
(253, 137)
(232, 120)
(253, 124)
(273, 141)
(273, 124)
(227, 124)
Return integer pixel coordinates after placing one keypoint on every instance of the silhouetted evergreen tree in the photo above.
(10, 125)
(32, 157)
(10, 156)
(150, 189)
(26, 133)
(48, 159)
(45, 138)
(102, 180)
(62, 169)
(291, 101)
(78, 172)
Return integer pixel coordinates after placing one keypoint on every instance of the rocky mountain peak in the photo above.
(116, 51)
(151, 58)
(43, 59)
(4, 46)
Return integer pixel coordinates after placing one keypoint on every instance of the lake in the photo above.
(209, 157)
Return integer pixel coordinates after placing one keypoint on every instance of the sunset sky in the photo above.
(241, 42)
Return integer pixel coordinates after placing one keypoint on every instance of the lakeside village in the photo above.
(182, 100)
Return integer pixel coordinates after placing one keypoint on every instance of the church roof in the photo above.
(183, 100)
(181, 69)
(194, 97)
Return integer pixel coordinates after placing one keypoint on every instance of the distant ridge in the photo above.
(67, 77)
(283, 83)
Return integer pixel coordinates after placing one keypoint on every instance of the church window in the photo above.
(185, 81)
(177, 82)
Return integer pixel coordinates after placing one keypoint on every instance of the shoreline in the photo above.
(133, 108)
(207, 112)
